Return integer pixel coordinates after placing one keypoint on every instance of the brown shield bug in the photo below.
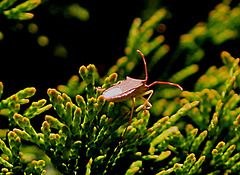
(133, 88)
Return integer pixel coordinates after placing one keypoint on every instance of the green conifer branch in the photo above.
(18, 12)
(189, 132)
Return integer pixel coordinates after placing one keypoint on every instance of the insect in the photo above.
(132, 88)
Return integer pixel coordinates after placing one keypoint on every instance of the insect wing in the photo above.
(122, 90)
(109, 93)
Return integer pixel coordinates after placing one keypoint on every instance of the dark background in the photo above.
(100, 40)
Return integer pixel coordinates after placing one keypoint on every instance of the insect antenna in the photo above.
(156, 82)
(145, 64)
(167, 83)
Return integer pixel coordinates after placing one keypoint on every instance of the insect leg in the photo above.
(100, 89)
(130, 117)
(146, 101)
